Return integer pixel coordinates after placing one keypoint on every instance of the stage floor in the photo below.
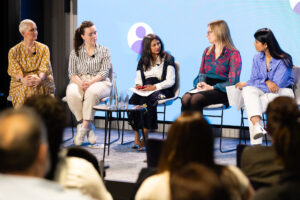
(125, 163)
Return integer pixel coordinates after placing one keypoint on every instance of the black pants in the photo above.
(197, 101)
(150, 115)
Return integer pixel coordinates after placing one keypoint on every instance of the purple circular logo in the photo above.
(136, 34)
(295, 4)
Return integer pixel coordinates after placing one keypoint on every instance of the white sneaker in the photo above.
(91, 134)
(258, 131)
(79, 137)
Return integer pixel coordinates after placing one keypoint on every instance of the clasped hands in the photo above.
(273, 87)
(145, 87)
(31, 80)
(85, 85)
(204, 86)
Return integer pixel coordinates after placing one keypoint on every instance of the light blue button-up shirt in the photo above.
(278, 73)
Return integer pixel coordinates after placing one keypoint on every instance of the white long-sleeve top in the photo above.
(156, 70)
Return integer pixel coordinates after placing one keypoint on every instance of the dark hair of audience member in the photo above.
(84, 154)
(146, 56)
(190, 139)
(197, 182)
(283, 125)
(19, 153)
(78, 41)
(53, 114)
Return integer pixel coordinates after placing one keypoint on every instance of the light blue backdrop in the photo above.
(182, 25)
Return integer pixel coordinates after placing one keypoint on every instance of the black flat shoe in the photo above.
(135, 146)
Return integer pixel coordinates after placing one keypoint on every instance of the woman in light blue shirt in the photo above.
(271, 76)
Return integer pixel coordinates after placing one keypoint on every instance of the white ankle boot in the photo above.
(91, 134)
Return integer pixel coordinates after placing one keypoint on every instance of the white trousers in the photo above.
(256, 102)
(81, 102)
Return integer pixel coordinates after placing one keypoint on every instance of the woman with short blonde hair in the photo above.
(29, 66)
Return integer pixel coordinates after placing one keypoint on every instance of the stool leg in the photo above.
(221, 134)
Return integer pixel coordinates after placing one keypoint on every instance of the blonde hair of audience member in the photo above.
(23, 143)
(283, 125)
(222, 33)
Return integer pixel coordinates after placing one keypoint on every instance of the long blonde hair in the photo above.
(221, 30)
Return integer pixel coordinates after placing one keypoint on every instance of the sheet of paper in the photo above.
(142, 93)
(195, 91)
(235, 97)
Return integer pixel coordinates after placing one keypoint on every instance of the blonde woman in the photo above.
(29, 66)
(220, 67)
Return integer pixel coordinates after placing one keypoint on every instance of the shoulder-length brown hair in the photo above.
(222, 32)
(190, 139)
(78, 41)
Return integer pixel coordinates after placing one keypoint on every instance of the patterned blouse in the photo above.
(20, 61)
(226, 67)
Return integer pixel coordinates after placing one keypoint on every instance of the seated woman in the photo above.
(89, 65)
(271, 76)
(220, 67)
(190, 140)
(155, 72)
(29, 66)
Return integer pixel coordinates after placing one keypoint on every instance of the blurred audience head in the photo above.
(53, 115)
(23, 143)
(197, 182)
(79, 152)
(283, 125)
(190, 139)
(78, 168)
